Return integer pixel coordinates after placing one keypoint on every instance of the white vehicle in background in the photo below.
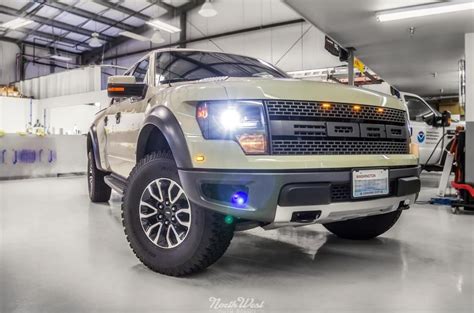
(427, 130)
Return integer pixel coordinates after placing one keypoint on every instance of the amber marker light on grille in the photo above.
(116, 89)
(326, 106)
(380, 110)
(357, 108)
(200, 158)
(253, 144)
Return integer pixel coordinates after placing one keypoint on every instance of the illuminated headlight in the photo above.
(242, 121)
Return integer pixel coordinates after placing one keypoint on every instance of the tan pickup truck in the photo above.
(202, 144)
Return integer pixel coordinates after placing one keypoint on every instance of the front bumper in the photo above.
(267, 200)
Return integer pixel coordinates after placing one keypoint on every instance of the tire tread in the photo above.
(216, 243)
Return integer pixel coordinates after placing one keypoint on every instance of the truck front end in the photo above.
(287, 152)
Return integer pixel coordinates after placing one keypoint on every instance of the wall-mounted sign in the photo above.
(331, 46)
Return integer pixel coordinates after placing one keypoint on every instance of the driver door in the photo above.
(425, 135)
(124, 119)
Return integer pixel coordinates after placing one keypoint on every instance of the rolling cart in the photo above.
(465, 191)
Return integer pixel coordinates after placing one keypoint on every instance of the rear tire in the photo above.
(98, 189)
(364, 228)
(162, 238)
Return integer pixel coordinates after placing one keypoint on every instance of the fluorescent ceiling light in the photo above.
(425, 10)
(16, 23)
(134, 36)
(164, 26)
(207, 10)
(60, 58)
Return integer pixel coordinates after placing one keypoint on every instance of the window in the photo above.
(175, 66)
(140, 71)
(418, 109)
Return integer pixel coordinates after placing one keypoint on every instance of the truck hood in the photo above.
(304, 90)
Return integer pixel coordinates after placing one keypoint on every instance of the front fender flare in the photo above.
(95, 147)
(162, 118)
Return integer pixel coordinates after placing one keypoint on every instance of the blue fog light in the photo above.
(239, 199)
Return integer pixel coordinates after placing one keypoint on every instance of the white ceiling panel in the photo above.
(135, 5)
(70, 19)
(15, 34)
(15, 4)
(51, 30)
(77, 37)
(5, 18)
(115, 15)
(33, 25)
(154, 11)
(91, 6)
(95, 26)
(112, 31)
(48, 12)
(134, 21)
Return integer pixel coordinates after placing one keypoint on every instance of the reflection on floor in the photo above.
(60, 253)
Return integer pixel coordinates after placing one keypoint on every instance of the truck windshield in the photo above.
(177, 66)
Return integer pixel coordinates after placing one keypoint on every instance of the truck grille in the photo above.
(307, 128)
(323, 147)
(341, 193)
(285, 109)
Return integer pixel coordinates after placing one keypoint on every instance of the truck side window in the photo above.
(417, 109)
(141, 70)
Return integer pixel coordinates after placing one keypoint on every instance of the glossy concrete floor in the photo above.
(60, 253)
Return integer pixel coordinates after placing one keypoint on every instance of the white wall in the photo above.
(8, 52)
(268, 44)
(70, 117)
(81, 80)
(15, 113)
(61, 112)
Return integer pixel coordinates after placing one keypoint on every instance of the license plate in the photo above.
(368, 183)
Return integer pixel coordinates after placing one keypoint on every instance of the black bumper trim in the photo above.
(265, 187)
(407, 186)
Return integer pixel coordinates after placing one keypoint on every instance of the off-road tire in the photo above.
(364, 228)
(208, 236)
(98, 189)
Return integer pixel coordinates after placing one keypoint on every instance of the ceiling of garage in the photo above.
(405, 61)
(69, 24)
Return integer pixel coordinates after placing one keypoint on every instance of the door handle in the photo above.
(118, 115)
(106, 119)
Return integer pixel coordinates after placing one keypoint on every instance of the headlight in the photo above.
(242, 121)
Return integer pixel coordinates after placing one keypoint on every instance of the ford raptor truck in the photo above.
(202, 144)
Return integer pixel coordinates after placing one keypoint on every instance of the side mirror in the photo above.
(125, 87)
(429, 119)
(438, 121)
(446, 119)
